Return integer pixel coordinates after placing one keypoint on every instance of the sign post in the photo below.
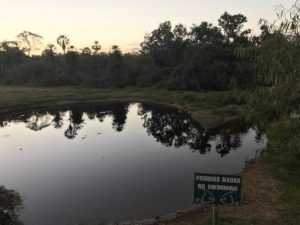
(215, 214)
(217, 190)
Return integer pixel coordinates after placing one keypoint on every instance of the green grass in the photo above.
(284, 156)
(13, 98)
(290, 188)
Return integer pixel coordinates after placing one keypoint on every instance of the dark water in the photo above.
(114, 162)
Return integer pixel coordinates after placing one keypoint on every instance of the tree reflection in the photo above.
(38, 122)
(229, 137)
(76, 123)
(3, 123)
(166, 125)
(201, 143)
(58, 120)
(119, 113)
(227, 143)
(172, 129)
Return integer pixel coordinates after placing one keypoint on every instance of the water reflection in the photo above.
(166, 125)
(76, 122)
(58, 120)
(142, 151)
(172, 130)
(119, 116)
(39, 122)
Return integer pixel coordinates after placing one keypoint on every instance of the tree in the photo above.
(206, 34)
(276, 57)
(159, 44)
(180, 32)
(116, 50)
(10, 55)
(29, 41)
(274, 106)
(72, 48)
(63, 41)
(161, 38)
(71, 59)
(49, 52)
(96, 47)
(232, 25)
(86, 51)
(179, 44)
(6, 45)
(116, 67)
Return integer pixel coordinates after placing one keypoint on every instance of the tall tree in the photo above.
(63, 41)
(158, 44)
(277, 63)
(160, 38)
(206, 34)
(116, 67)
(29, 41)
(232, 25)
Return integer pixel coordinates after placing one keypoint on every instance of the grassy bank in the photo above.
(209, 108)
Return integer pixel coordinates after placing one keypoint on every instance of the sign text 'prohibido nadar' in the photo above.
(217, 189)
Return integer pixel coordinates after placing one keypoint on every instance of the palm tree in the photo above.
(96, 47)
(63, 41)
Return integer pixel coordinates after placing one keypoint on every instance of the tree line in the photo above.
(172, 57)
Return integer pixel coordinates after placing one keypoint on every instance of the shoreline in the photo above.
(205, 119)
(210, 109)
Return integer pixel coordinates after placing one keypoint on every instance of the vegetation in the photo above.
(203, 58)
(20, 98)
(276, 103)
(10, 204)
(175, 58)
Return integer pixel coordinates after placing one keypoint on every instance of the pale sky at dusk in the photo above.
(122, 22)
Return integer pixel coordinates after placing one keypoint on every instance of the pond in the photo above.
(114, 161)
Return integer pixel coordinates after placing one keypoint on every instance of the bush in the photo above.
(30, 73)
(284, 143)
(10, 204)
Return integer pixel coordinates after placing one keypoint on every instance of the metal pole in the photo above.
(215, 214)
(214, 222)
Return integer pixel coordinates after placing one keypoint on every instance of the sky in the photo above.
(121, 22)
